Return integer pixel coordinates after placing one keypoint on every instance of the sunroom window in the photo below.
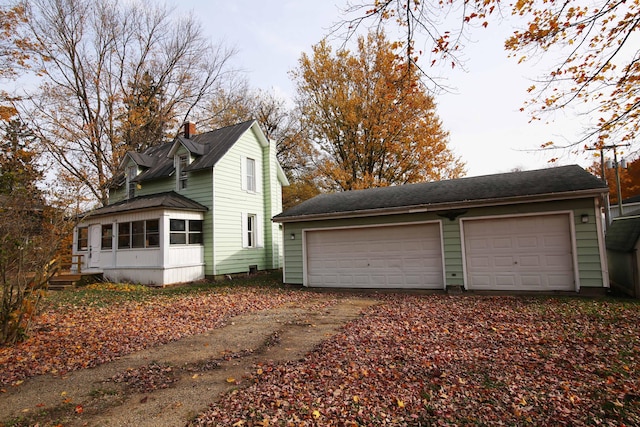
(182, 232)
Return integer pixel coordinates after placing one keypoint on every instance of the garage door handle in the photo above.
(515, 262)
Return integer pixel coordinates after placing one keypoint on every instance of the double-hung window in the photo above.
(183, 162)
(251, 231)
(132, 172)
(251, 175)
(83, 238)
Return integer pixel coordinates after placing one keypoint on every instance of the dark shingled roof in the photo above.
(170, 199)
(623, 233)
(559, 181)
(209, 147)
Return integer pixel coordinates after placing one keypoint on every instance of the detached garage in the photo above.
(522, 231)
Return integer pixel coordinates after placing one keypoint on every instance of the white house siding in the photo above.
(230, 204)
(162, 265)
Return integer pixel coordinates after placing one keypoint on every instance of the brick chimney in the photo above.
(189, 129)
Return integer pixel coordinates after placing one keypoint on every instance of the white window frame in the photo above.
(182, 161)
(82, 239)
(251, 183)
(147, 243)
(132, 172)
(252, 237)
(188, 233)
(251, 175)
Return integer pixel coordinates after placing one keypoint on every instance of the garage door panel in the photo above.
(558, 280)
(408, 256)
(554, 242)
(477, 244)
(521, 253)
(558, 261)
(501, 262)
(531, 261)
(501, 244)
(531, 280)
(528, 242)
(503, 280)
(479, 262)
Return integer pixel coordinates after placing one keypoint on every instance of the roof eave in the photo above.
(436, 207)
(145, 209)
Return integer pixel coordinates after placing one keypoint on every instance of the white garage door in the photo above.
(403, 256)
(525, 253)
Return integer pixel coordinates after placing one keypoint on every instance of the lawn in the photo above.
(439, 360)
(88, 326)
(413, 360)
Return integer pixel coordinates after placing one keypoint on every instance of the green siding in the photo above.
(586, 237)
(231, 201)
(223, 251)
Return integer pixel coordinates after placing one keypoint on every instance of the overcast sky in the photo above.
(487, 130)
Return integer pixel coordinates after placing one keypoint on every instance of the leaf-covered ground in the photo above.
(88, 327)
(439, 360)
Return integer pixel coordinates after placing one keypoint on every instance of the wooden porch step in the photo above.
(71, 280)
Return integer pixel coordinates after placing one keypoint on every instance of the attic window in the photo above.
(132, 172)
(183, 162)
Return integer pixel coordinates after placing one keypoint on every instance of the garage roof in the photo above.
(543, 184)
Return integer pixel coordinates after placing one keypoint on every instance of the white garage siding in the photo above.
(526, 253)
(398, 256)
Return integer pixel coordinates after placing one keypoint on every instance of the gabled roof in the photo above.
(218, 142)
(141, 159)
(208, 148)
(544, 184)
(169, 199)
(624, 231)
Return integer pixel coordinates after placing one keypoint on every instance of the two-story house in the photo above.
(200, 206)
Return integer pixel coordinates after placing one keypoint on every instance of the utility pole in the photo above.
(607, 213)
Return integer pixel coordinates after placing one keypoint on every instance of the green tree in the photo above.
(370, 120)
(30, 231)
(145, 120)
(19, 172)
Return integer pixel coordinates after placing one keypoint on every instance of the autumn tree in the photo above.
(281, 123)
(369, 118)
(104, 63)
(32, 225)
(599, 66)
(596, 62)
(14, 47)
(629, 179)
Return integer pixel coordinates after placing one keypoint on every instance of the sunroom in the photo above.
(152, 240)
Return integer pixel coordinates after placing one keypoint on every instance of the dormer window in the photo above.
(181, 173)
(132, 172)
